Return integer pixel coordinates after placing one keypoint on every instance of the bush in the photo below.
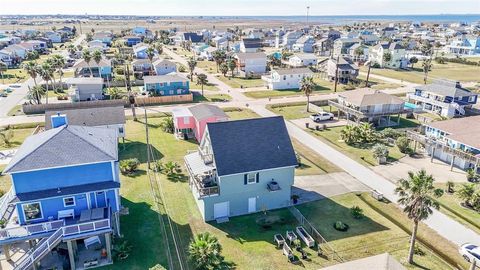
(182, 68)
(403, 144)
(357, 212)
(340, 226)
(390, 133)
(380, 151)
(129, 166)
(120, 71)
(167, 125)
(418, 251)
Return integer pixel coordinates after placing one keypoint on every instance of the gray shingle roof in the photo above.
(65, 146)
(288, 71)
(164, 78)
(203, 111)
(251, 145)
(35, 195)
(90, 117)
(446, 88)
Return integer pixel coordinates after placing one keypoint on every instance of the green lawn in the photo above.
(311, 162)
(182, 52)
(19, 135)
(16, 110)
(208, 86)
(296, 110)
(16, 75)
(208, 66)
(244, 243)
(451, 206)
(237, 82)
(452, 71)
(240, 113)
(361, 153)
(5, 182)
(212, 98)
(375, 83)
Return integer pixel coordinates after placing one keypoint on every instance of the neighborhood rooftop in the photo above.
(368, 97)
(203, 111)
(465, 130)
(98, 145)
(251, 145)
(446, 88)
(98, 116)
(164, 78)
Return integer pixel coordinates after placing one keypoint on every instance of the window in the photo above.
(251, 178)
(32, 211)
(69, 201)
(171, 92)
(120, 130)
(471, 98)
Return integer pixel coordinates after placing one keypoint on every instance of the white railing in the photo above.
(5, 201)
(428, 100)
(22, 231)
(44, 246)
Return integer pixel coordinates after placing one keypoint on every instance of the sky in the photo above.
(239, 7)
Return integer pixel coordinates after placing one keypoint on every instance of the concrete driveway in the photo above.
(333, 123)
(440, 170)
(316, 187)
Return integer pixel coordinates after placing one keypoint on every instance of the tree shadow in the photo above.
(177, 177)
(136, 149)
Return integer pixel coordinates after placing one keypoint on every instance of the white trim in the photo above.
(95, 196)
(54, 197)
(254, 178)
(262, 170)
(69, 197)
(117, 198)
(89, 202)
(58, 167)
(23, 211)
(114, 175)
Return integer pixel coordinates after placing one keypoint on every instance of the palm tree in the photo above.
(3, 68)
(202, 80)
(466, 192)
(417, 195)
(427, 66)
(349, 134)
(231, 66)
(71, 49)
(307, 85)
(53, 68)
(150, 54)
(87, 57)
(97, 57)
(46, 72)
(192, 63)
(205, 252)
(32, 69)
(58, 64)
(387, 57)
(36, 93)
(359, 52)
(219, 56)
(224, 69)
(159, 48)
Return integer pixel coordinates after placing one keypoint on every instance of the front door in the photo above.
(101, 199)
(221, 210)
(252, 205)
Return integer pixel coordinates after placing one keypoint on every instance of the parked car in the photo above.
(470, 252)
(323, 116)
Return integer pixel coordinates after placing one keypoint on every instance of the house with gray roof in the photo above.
(286, 78)
(397, 55)
(192, 122)
(242, 167)
(343, 67)
(112, 117)
(65, 192)
(443, 97)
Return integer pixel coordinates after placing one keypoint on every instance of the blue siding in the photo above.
(51, 206)
(169, 89)
(62, 177)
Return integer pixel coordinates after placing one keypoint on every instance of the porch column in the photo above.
(108, 244)
(71, 255)
(398, 119)
(453, 161)
(6, 250)
(415, 146)
(433, 152)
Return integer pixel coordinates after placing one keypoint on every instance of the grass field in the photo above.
(19, 135)
(451, 206)
(212, 98)
(361, 153)
(208, 86)
(16, 75)
(237, 82)
(296, 110)
(452, 71)
(311, 162)
(245, 244)
(208, 66)
(5, 182)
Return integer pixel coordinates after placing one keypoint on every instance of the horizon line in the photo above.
(257, 15)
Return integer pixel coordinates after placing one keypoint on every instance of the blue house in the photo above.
(166, 85)
(132, 40)
(242, 167)
(65, 194)
(443, 97)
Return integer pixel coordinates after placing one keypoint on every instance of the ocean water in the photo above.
(345, 19)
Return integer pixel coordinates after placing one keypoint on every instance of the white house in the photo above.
(279, 79)
(251, 63)
(54, 37)
(397, 55)
(464, 45)
(164, 67)
(303, 60)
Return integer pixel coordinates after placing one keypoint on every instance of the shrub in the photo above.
(340, 226)
(120, 71)
(129, 166)
(167, 125)
(357, 212)
(403, 144)
(390, 133)
(182, 68)
(418, 251)
(380, 151)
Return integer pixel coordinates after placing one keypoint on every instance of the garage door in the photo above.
(221, 210)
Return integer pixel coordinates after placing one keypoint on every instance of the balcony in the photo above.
(203, 176)
(428, 100)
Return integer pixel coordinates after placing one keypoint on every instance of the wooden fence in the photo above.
(148, 101)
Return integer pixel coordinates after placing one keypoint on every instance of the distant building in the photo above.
(286, 78)
(303, 60)
(250, 45)
(347, 70)
(192, 122)
(397, 53)
(251, 64)
(85, 88)
(166, 85)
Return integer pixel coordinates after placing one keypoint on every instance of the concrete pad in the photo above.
(316, 187)
(333, 123)
(439, 169)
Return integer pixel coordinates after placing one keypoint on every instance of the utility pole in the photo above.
(368, 73)
(131, 98)
(336, 73)
(147, 137)
(308, 9)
